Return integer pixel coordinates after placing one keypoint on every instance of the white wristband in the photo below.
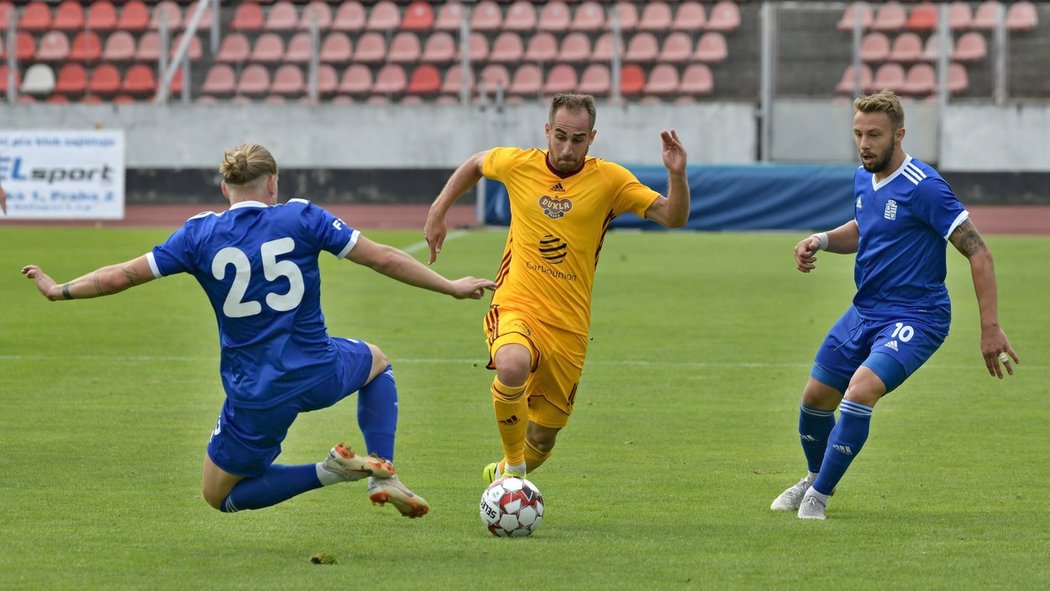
(823, 238)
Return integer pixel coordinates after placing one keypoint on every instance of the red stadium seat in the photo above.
(697, 79)
(875, 47)
(449, 16)
(101, 16)
(958, 79)
(921, 80)
(120, 47)
(139, 80)
(7, 11)
(478, 48)
(384, 16)
(371, 48)
(555, 17)
(485, 17)
(589, 18)
(890, 17)
(123, 99)
(134, 16)
(527, 80)
(987, 15)
(595, 80)
(69, 16)
(971, 47)
(58, 99)
(219, 80)
(148, 49)
(711, 48)
(235, 48)
(419, 16)
(932, 51)
(425, 80)
(282, 16)
(90, 99)
(104, 80)
(54, 47)
(254, 80)
(521, 17)
(677, 48)
(4, 71)
(632, 79)
(288, 81)
(642, 47)
(36, 17)
(960, 15)
(848, 82)
(724, 17)
(628, 15)
(25, 47)
(923, 17)
(316, 11)
(575, 48)
(336, 48)
(86, 47)
(350, 17)
(689, 17)
(453, 82)
(663, 80)
(439, 48)
(404, 48)
(495, 76)
(299, 48)
(411, 100)
(907, 48)
(603, 48)
(560, 79)
(194, 51)
(656, 17)
(507, 48)
(169, 10)
(357, 80)
(889, 75)
(268, 49)
(853, 11)
(542, 47)
(1022, 16)
(391, 79)
(248, 17)
(327, 79)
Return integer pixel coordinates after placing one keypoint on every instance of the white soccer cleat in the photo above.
(791, 499)
(343, 462)
(812, 507)
(390, 490)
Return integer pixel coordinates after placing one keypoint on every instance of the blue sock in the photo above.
(814, 427)
(377, 414)
(845, 442)
(279, 483)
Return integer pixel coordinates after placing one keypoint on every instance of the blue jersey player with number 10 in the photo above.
(903, 214)
(257, 263)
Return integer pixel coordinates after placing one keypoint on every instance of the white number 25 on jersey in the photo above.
(235, 306)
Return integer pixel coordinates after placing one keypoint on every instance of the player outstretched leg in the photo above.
(391, 490)
(814, 427)
(845, 442)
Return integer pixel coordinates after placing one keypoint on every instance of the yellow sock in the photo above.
(534, 458)
(512, 418)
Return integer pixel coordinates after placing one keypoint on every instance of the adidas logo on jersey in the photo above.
(557, 188)
(892, 345)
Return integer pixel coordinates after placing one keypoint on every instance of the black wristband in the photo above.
(65, 292)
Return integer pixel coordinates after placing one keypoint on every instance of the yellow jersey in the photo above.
(557, 224)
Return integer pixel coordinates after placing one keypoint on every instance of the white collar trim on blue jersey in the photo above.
(876, 186)
(240, 204)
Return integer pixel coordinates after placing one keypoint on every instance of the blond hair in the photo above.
(884, 101)
(244, 163)
(574, 102)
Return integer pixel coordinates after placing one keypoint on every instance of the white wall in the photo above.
(988, 138)
(364, 136)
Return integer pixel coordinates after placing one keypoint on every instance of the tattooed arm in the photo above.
(968, 241)
(101, 282)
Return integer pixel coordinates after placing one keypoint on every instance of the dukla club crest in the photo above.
(555, 208)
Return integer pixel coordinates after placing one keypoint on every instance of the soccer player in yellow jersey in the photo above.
(561, 203)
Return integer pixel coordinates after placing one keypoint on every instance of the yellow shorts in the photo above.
(557, 362)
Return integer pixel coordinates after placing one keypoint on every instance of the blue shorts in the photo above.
(893, 348)
(246, 441)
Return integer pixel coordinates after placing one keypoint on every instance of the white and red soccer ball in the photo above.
(511, 507)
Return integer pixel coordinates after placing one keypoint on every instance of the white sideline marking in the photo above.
(422, 244)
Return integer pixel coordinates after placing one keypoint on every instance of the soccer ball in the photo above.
(511, 507)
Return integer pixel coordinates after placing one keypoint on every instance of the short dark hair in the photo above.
(574, 102)
(884, 101)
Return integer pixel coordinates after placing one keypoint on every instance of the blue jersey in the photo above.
(258, 265)
(904, 223)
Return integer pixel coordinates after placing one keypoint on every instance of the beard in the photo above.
(879, 162)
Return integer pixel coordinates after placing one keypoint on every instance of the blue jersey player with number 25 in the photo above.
(903, 215)
(257, 263)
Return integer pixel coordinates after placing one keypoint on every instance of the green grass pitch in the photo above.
(684, 432)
